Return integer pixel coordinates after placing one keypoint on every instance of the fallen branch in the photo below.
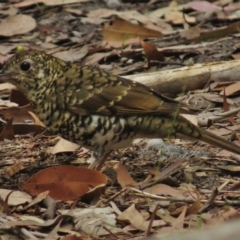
(189, 78)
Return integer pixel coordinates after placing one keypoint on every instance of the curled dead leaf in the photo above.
(151, 52)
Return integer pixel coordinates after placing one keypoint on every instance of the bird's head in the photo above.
(31, 70)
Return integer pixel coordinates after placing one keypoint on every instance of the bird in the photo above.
(97, 109)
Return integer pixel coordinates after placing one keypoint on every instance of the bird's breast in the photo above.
(110, 132)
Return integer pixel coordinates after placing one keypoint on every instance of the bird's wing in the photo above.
(94, 91)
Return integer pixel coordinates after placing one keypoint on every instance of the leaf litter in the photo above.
(158, 187)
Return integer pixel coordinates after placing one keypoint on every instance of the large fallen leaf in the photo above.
(125, 32)
(17, 24)
(64, 182)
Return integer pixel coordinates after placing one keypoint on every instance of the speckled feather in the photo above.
(94, 108)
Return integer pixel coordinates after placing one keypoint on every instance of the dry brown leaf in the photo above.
(64, 146)
(123, 177)
(36, 120)
(7, 131)
(4, 59)
(16, 198)
(22, 129)
(160, 175)
(64, 182)
(220, 131)
(74, 11)
(231, 89)
(177, 17)
(135, 218)
(219, 33)
(236, 56)
(160, 12)
(195, 207)
(19, 115)
(72, 55)
(226, 214)
(165, 215)
(151, 52)
(95, 58)
(165, 190)
(179, 222)
(32, 221)
(191, 33)
(226, 107)
(103, 13)
(5, 49)
(17, 24)
(40, 197)
(123, 32)
(19, 98)
(231, 168)
(191, 118)
(9, 11)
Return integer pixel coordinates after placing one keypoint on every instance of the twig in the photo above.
(210, 200)
(154, 196)
(151, 220)
(113, 197)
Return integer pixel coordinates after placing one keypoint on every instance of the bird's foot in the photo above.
(98, 158)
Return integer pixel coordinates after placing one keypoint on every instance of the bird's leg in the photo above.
(98, 158)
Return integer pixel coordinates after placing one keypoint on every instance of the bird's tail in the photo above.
(179, 127)
(213, 139)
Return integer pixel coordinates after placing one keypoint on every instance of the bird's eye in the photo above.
(25, 66)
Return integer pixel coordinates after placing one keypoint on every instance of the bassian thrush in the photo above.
(97, 109)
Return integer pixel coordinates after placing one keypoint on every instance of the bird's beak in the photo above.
(6, 77)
